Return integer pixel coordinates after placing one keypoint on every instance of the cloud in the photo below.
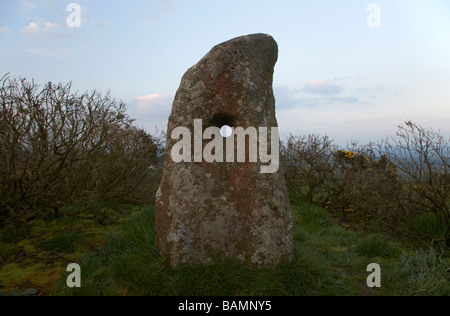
(166, 9)
(26, 6)
(152, 108)
(342, 100)
(60, 53)
(287, 98)
(322, 87)
(154, 103)
(42, 29)
(342, 123)
(100, 23)
(5, 29)
(35, 30)
(93, 20)
(375, 91)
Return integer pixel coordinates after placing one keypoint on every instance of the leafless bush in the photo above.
(59, 147)
(422, 158)
(363, 183)
(129, 168)
(308, 165)
(400, 185)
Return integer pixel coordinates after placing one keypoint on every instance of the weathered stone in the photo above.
(223, 210)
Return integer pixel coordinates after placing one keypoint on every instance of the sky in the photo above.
(350, 69)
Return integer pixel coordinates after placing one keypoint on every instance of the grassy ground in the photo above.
(34, 257)
(329, 260)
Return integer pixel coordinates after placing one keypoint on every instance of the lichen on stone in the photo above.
(228, 211)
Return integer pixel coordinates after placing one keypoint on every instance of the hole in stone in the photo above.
(226, 131)
(223, 121)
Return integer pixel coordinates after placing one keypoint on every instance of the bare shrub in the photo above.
(128, 167)
(400, 185)
(363, 183)
(308, 165)
(422, 158)
(59, 147)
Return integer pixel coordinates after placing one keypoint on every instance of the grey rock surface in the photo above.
(221, 210)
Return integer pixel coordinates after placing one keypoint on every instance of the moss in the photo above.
(47, 278)
(12, 275)
(74, 257)
(27, 253)
(37, 275)
(42, 255)
(29, 261)
(87, 223)
(339, 249)
(56, 225)
(94, 230)
(13, 234)
(38, 228)
(27, 245)
(7, 250)
(58, 264)
(8, 272)
(64, 242)
(44, 230)
(111, 213)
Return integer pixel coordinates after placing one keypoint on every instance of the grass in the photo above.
(329, 260)
(66, 241)
(377, 245)
(431, 225)
(426, 272)
(34, 257)
(129, 264)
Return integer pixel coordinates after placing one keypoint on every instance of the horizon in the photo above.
(352, 71)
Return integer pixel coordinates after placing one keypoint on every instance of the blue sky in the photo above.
(335, 75)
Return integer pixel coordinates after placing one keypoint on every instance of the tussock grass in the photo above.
(377, 245)
(426, 272)
(329, 260)
(67, 242)
(431, 225)
(129, 264)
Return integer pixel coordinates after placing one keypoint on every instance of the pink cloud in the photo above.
(322, 87)
(42, 29)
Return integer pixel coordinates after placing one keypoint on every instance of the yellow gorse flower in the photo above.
(348, 154)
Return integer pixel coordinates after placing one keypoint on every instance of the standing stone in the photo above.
(224, 210)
